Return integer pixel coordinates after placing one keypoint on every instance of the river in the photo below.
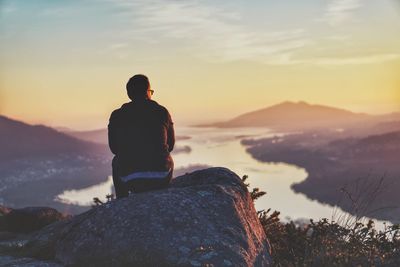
(222, 147)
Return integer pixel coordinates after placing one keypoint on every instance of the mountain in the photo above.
(101, 135)
(382, 147)
(387, 126)
(391, 117)
(37, 163)
(294, 116)
(22, 140)
(98, 136)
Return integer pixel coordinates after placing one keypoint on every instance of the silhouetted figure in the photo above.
(141, 135)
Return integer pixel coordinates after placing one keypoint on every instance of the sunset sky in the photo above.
(66, 63)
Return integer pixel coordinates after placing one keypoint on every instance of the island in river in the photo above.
(359, 174)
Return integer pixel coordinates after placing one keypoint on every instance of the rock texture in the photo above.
(25, 262)
(206, 218)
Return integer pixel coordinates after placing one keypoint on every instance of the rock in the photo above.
(30, 219)
(25, 262)
(206, 218)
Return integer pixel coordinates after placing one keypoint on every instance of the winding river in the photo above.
(222, 147)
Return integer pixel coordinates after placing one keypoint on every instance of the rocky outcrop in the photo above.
(206, 218)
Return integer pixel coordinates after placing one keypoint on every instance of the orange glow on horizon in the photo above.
(67, 68)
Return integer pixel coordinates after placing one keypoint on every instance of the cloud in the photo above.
(339, 11)
(361, 60)
(220, 35)
(336, 61)
(213, 32)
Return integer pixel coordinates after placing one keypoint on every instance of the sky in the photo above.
(66, 63)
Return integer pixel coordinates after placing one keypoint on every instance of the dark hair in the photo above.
(137, 86)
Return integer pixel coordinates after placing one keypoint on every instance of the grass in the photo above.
(329, 243)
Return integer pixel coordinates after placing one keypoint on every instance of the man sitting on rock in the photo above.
(141, 135)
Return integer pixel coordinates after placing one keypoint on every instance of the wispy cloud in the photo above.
(339, 61)
(214, 32)
(360, 60)
(339, 11)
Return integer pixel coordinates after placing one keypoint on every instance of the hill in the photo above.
(385, 127)
(364, 168)
(22, 140)
(37, 163)
(101, 135)
(293, 116)
(98, 136)
(382, 147)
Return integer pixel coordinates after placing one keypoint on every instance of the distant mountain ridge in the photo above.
(98, 136)
(296, 115)
(20, 140)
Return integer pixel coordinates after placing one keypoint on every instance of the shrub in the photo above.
(328, 243)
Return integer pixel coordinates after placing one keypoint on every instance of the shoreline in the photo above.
(334, 180)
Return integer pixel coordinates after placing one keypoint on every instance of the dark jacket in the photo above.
(141, 135)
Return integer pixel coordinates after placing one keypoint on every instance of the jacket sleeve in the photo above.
(170, 134)
(112, 133)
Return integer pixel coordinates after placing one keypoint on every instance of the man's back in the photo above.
(141, 135)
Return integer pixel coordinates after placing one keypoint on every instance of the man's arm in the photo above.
(112, 133)
(170, 134)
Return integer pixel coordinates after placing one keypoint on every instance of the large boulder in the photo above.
(206, 218)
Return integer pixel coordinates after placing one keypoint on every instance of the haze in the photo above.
(66, 63)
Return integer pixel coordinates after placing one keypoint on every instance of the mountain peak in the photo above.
(296, 116)
(290, 104)
(294, 103)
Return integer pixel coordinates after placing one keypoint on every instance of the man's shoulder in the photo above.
(117, 112)
(163, 112)
(161, 108)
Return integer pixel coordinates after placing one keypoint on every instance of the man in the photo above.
(141, 136)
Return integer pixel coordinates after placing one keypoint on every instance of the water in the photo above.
(221, 147)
